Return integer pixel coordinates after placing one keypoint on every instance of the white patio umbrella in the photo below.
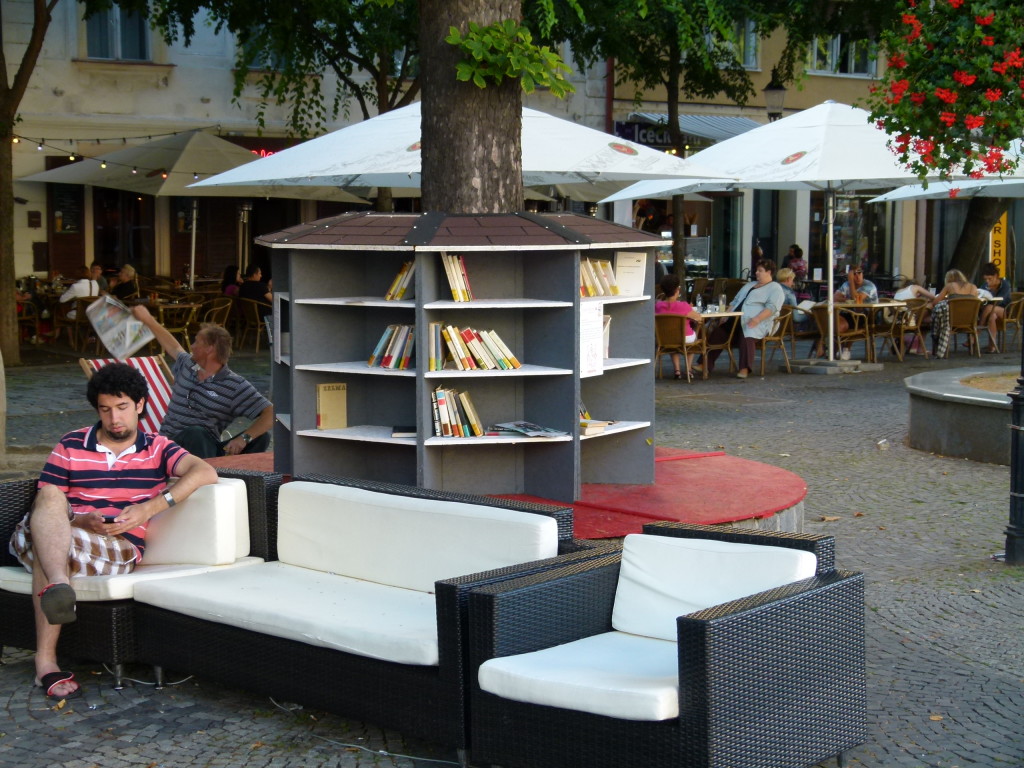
(385, 151)
(660, 188)
(166, 166)
(939, 190)
(831, 148)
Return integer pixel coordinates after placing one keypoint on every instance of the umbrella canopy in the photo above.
(385, 151)
(939, 190)
(658, 188)
(165, 167)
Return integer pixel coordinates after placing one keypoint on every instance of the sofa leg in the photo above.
(117, 670)
(841, 760)
(158, 677)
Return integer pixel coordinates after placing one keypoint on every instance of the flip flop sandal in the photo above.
(51, 680)
(58, 603)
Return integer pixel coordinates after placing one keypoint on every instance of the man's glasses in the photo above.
(858, 271)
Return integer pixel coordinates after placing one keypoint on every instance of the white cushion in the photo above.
(403, 541)
(210, 527)
(313, 607)
(662, 578)
(615, 674)
(121, 587)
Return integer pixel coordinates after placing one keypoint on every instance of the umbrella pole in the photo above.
(830, 213)
(192, 258)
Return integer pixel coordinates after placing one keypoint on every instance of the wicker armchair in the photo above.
(771, 680)
(425, 701)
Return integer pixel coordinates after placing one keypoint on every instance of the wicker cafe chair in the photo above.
(891, 330)
(773, 679)
(1014, 316)
(670, 337)
(857, 330)
(253, 319)
(776, 338)
(963, 318)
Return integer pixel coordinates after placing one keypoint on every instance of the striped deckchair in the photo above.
(158, 377)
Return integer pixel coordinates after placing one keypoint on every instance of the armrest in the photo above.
(563, 515)
(452, 595)
(261, 489)
(543, 609)
(821, 546)
(786, 660)
(15, 499)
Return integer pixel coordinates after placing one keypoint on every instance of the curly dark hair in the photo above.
(767, 265)
(118, 379)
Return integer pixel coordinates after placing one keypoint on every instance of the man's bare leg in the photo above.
(51, 542)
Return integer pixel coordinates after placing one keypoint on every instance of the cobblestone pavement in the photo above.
(945, 622)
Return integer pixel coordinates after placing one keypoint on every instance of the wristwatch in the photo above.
(246, 437)
(169, 499)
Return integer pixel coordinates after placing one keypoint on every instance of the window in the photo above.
(843, 55)
(117, 35)
(746, 44)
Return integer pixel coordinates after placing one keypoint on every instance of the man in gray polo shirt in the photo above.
(207, 395)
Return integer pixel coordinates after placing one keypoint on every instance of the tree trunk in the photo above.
(8, 311)
(472, 137)
(982, 214)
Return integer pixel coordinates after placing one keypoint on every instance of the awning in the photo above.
(712, 127)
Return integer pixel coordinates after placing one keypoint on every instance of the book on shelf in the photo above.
(599, 275)
(403, 430)
(382, 344)
(403, 280)
(593, 426)
(454, 414)
(525, 428)
(458, 279)
(630, 272)
(393, 354)
(331, 406)
(609, 274)
(505, 351)
(481, 356)
(443, 426)
(474, 418)
(407, 351)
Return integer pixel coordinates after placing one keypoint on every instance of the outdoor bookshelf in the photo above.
(332, 276)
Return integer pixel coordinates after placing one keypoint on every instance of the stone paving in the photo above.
(945, 643)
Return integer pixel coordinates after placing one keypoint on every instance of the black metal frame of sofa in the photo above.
(104, 630)
(772, 680)
(429, 702)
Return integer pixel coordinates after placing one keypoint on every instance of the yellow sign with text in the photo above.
(997, 245)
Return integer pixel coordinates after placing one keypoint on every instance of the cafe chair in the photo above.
(918, 310)
(963, 318)
(670, 338)
(215, 311)
(700, 285)
(640, 655)
(732, 287)
(253, 316)
(857, 330)
(158, 377)
(891, 329)
(177, 318)
(776, 338)
(1014, 316)
(28, 321)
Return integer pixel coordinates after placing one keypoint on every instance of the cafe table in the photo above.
(710, 321)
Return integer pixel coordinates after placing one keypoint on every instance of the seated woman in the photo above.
(229, 283)
(759, 301)
(957, 286)
(912, 289)
(670, 303)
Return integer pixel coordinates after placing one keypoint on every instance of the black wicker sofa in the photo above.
(295, 629)
(770, 680)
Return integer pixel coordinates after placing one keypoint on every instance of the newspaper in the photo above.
(119, 331)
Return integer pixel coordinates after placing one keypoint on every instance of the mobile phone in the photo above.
(109, 519)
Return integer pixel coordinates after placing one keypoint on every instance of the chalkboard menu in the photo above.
(67, 209)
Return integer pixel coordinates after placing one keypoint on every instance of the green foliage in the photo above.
(505, 50)
(953, 94)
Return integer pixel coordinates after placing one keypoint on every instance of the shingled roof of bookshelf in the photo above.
(465, 232)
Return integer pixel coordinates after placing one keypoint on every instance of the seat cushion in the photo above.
(403, 541)
(314, 607)
(14, 578)
(662, 578)
(620, 675)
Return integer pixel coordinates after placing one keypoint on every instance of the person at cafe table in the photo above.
(992, 313)
(855, 290)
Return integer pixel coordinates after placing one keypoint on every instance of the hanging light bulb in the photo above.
(103, 163)
(163, 175)
(71, 157)
(134, 170)
(195, 176)
(40, 147)
(15, 140)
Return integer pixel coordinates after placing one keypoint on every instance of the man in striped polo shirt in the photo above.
(97, 492)
(207, 395)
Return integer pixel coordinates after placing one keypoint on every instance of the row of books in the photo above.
(458, 280)
(401, 286)
(395, 348)
(597, 278)
(454, 414)
(468, 348)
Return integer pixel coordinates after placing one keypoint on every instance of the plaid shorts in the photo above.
(91, 554)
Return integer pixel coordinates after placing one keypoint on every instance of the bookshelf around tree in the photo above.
(329, 300)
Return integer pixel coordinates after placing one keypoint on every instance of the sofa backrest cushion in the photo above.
(662, 578)
(403, 541)
(210, 527)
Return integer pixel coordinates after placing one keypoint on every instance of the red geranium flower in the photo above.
(947, 117)
(897, 61)
(985, 20)
(918, 98)
(954, 191)
(964, 78)
(993, 94)
(988, 40)
(946, 95)
(974, 121)
(1000, 67)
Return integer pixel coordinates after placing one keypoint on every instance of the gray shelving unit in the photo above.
(330, 278)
